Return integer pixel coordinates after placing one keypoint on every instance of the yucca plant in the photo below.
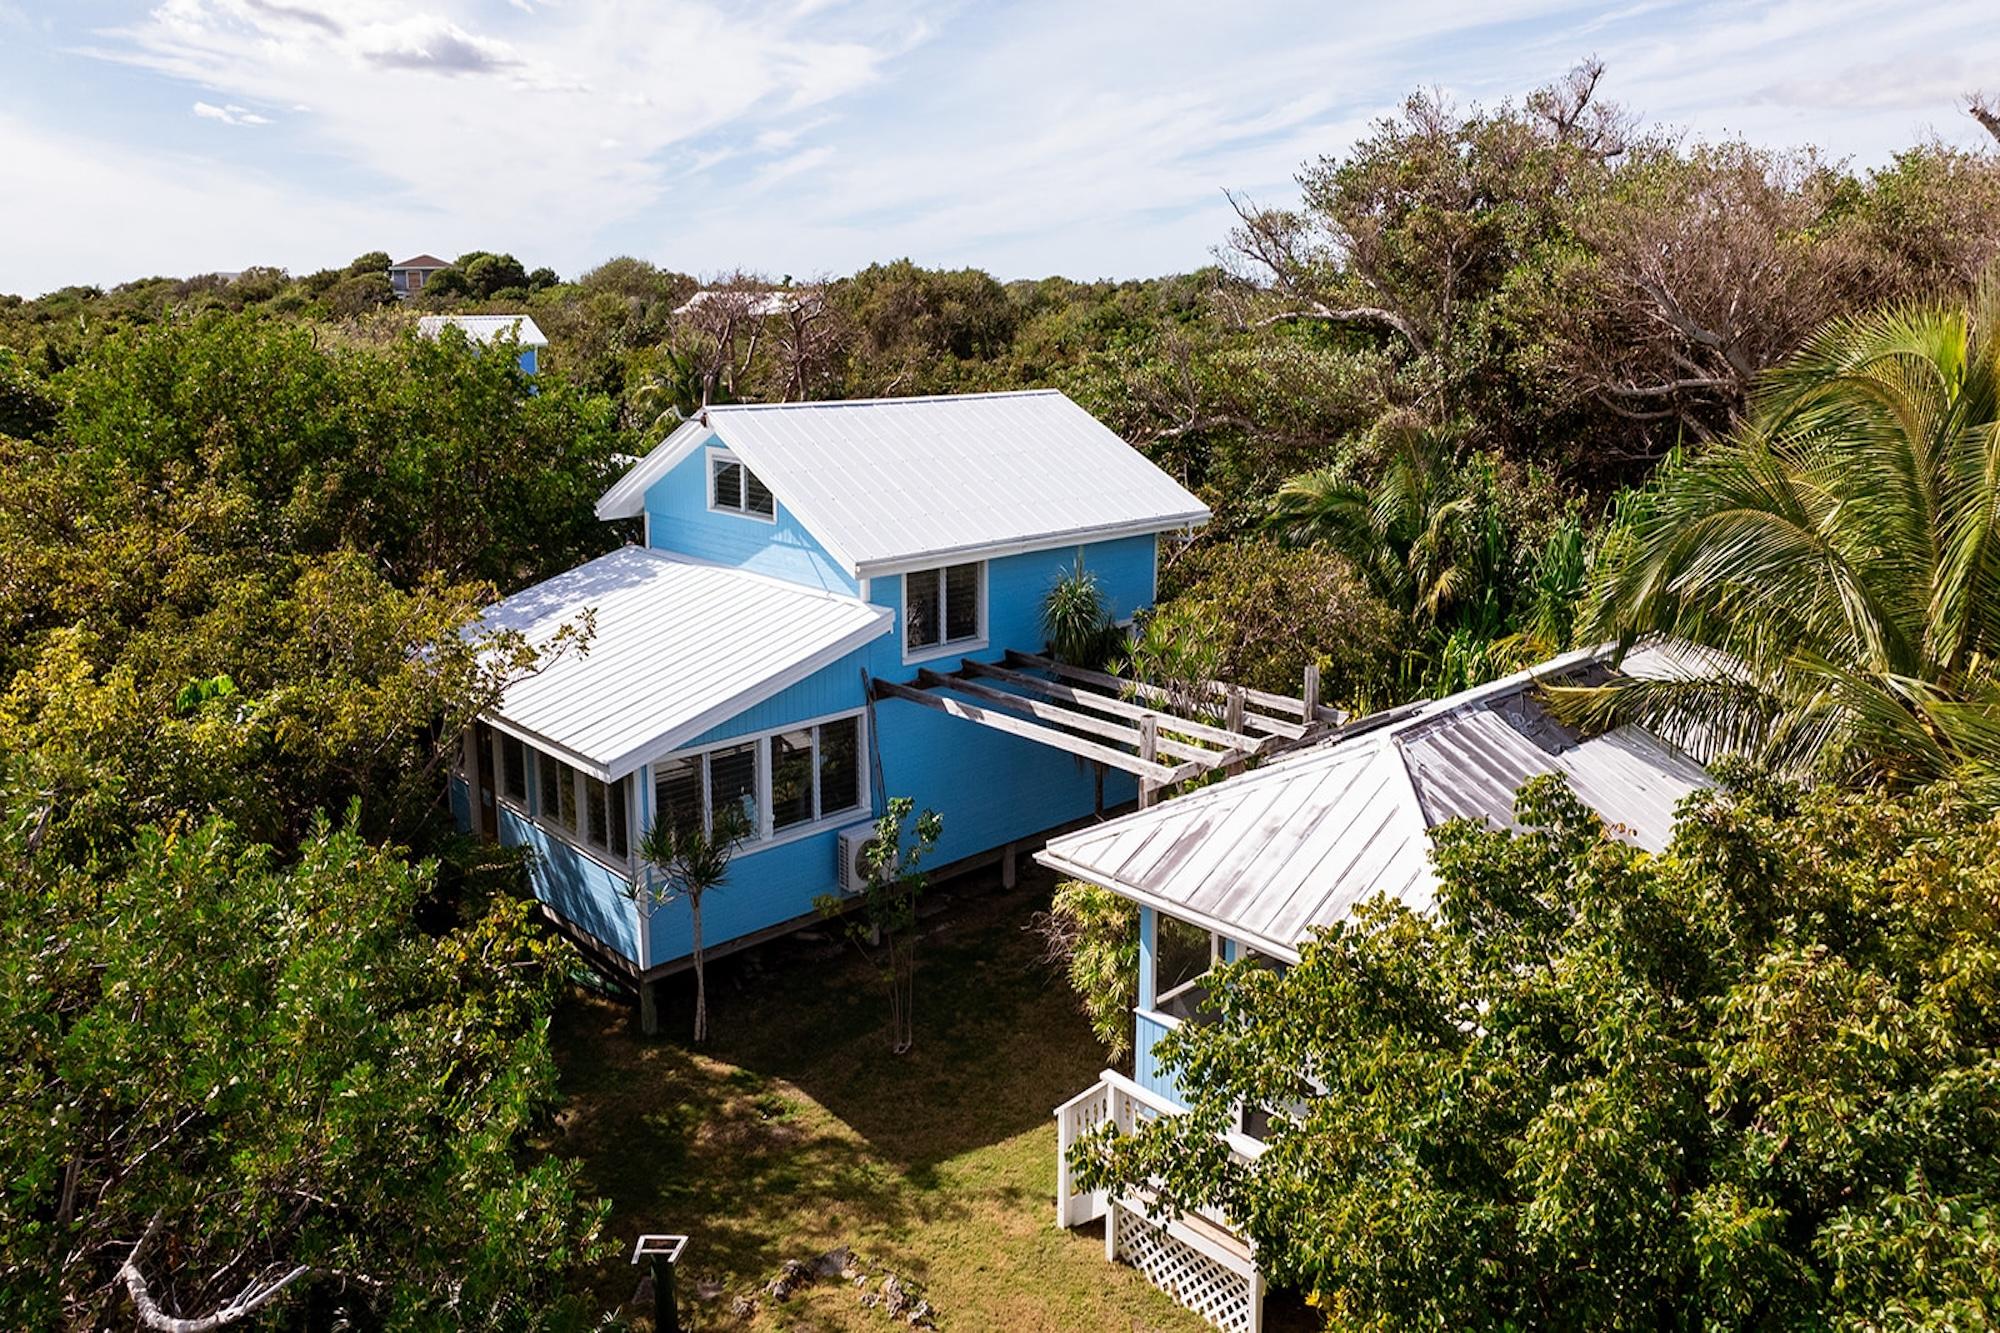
(1841, 555)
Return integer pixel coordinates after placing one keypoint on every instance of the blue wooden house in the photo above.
(807, 573)
(1248, 868)
(481, 330)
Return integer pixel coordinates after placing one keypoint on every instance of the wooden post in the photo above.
(1098, 773)
(1007, 867)
(1233, 721)
(649, 1008)
(1312, 693)
(1149, 745)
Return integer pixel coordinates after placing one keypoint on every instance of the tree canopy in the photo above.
(1748, 1083)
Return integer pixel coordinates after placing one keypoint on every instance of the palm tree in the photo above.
(1420, 534)
(1840, 553)
(689, 861)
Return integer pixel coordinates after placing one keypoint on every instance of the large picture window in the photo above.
(783, 782)
(944, 606)
(735, 489)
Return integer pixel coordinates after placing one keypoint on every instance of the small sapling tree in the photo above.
(688, 861)
(884, 923)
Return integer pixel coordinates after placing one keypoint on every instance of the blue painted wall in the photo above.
(530, 359)
(586, 892)
(679, 519)
(991, 788)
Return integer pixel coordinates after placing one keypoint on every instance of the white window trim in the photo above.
(951, 647)
(577, 839)
(710, 457)
(498, 759)
(767, 835)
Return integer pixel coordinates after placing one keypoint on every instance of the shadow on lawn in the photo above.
(719, 1141)
(1000, 1042)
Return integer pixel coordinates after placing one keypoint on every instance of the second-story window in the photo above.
(942, 606)
(735, 489)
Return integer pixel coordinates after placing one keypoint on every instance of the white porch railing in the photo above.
(1198, 1258)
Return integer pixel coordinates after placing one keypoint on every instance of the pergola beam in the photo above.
(1155, 773)
(1103, 703)
(1103, 680)
(1069, 717)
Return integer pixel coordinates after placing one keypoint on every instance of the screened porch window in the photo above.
(513, 769)
(735, 489)
(558, 792)
(1182, 955)
(592, 813)
(944, 605)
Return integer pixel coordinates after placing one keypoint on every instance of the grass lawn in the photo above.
(795, 1130)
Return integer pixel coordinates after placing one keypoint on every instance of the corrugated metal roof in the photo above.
(485, 328)
(678, 647)
(897, 483)
(421, 261)
(1299, 843)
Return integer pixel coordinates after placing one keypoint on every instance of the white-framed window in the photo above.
(510, 764)
(735, 489)
(786, 782)
(944, 609)
(582, 809)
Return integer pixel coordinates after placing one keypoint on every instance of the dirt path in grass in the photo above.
(795, 1130)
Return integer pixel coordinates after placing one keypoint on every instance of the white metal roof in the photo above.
(890, 484)
(678, 647)
(1299, 843)
(485, 328)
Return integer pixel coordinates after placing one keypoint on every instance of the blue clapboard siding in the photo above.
(583, 889)
(678, 519)
(765, 887)
(831, 689)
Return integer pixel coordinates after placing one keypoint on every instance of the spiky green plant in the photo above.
(1844, 549)
(1075, 621)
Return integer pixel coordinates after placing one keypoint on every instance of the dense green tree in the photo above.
(1745, 1084)
(230, 1077)
(1286, 608)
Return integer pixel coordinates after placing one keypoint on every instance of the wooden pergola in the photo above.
(1158, 735)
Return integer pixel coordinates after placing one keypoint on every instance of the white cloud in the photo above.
(813, 135)
(479, 114)
(230, 115)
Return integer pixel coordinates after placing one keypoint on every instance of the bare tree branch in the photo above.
(1980, 107)
(254, 1297)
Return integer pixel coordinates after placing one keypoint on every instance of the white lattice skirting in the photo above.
(1198, 1260)
(1229, 1300)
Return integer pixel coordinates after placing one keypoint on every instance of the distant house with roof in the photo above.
(484, 329)
(1249, 867)
(798, 635)
(408, 277)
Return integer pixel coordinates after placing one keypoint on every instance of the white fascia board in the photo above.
(1049, 541)
(654, 747)
(574, 758)
(1064, 866)
(627, 496)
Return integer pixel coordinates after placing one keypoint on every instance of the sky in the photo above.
(1091, 138)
